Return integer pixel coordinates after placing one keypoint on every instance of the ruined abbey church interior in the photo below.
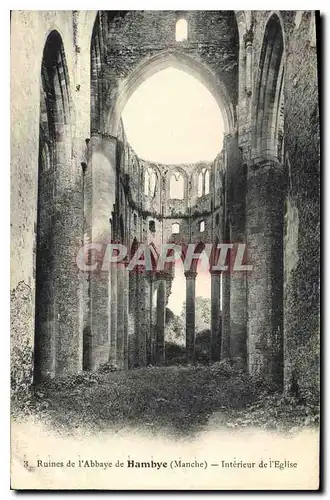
(76, 179)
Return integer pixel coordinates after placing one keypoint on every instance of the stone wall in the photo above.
(97, 187)
(129, 41)
(29, 32)
(301, 204)
(302, 218)
(156, 211)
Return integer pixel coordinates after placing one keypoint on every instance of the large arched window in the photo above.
(203, 182)
(150, 182)
(181, 30)
(269, 95)
(175, 228)
(173, 96)
(177, 186)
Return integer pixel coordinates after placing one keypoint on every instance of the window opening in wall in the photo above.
(200, 184)
(135, 219)
(152, 226)
(146, 183)
(202, 226)
(165, 107)
(217, 219)
(203, 182)
(181, 30)
(150, 182)
(177, 186)
(202, 301)
(175, 228)
(207, 182)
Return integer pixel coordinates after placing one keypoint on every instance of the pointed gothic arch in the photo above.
(203, 182)
(180, 61)
(269, 91)
(177, 186)
(150, 182)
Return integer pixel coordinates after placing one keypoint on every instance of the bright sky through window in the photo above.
(181, 30)
(173, 118)
(177, 186)
(178, 289)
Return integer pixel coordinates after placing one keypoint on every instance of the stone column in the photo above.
(248, 39)
(215, 316)
(236, 233)
(190, 315)
(120, 341)
(113, 314)
(61, 318)
(161, 317)
(238, 341)
(131, 328)
(225, 320)
(225, 316)
(142, 320)
(238, 315)
(265, 283)
(135, 279)
(126, 312)
(100, 198)
(150, 331)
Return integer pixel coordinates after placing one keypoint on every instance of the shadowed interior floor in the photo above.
(173, 400)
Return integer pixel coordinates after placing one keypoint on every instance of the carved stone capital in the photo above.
(190, 275)
(263, 165)
(163, 275)
(214, 272)
(248, 38)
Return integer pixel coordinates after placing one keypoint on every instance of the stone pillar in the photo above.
(136, 355)
(161, 317)
(60, 297)
(190, 315)
(238, 315)
(236, 233)
(131, 330)
(113, 314)
(265, 283)
(120, 341)
(150, 360)
(142, 321)
(126, 313)
(248, 39)
(238, 341)
(215, 316)
(100, 198)
(225, 319)
(225, 337)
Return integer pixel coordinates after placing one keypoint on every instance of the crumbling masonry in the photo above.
(75, 179)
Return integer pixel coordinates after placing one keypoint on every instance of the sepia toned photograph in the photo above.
(165, 250)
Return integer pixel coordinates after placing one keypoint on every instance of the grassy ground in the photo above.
(179, 400)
